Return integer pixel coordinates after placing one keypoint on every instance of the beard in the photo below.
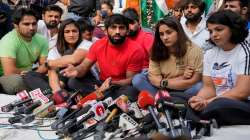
(132, 33)
(51, 25)
(194, 17)
(117, 41)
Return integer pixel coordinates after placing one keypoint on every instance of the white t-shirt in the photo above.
(54, 54)
(200, 35)
(43, 30)
(223, 66)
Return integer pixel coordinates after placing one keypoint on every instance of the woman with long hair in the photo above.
(226, 91)
(175, 62)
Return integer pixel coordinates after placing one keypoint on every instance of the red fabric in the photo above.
(60, 97)
(145, 40)
(115, 61)
(91, 96)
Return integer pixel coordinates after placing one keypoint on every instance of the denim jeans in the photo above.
(141, 82)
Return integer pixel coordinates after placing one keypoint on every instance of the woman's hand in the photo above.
(188, 73)
(197, 103)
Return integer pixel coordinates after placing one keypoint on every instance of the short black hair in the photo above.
(116, 19)
(53, 7)
(109, 4)
(243, 3)
(85, 25)
(199, 3)
(131, 14)
(234, 21)
(20, 13)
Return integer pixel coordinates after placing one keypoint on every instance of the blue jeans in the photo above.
(141, 82)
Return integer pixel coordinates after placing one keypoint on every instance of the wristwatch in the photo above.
(164, 83)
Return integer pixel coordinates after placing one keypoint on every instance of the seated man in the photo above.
(20, 49)
(118, 57)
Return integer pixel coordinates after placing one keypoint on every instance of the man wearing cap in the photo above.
(144, 39)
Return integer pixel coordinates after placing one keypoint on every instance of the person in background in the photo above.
(136, 33)
(48, 27)
(195, 24)
(225, 92)
(5, 19)
(20, 49)
(175, 62)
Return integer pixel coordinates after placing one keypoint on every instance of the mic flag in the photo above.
(145, 99)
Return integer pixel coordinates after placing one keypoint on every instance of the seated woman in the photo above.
(226, 91)
(175, 63)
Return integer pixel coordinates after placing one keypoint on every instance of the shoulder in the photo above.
(193, 48)
(85, 44)
(132, 45)
(10, 39)
(243, 48)
(40, 38)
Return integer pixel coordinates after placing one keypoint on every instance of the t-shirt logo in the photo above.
(222, 77)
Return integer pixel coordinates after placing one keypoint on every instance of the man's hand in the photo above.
(105, 85)
(188, 73)
(70, 71)
(197, 103)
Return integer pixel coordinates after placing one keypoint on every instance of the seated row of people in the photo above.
(175, 62)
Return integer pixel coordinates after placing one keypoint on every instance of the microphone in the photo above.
(29, 118)
(15, 119)
(30, 108)
(11, 106)
(91, 96)
(146, 100)
(97, 111)
(162, 106)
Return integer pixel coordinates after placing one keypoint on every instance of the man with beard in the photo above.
(48, 27)
(144, 39)
(195, 24)
(20, 49)
(117, 56)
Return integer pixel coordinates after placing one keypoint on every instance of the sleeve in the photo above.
(8, 47)
(195, 58)
(154, 68)
(207, 68)
(243, 63)
(85, 45)
(92, 53)
(53, 54)
(136, 60)
(45, 48)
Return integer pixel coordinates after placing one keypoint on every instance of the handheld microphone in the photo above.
(30, 108)
(161, 106)
(11, 106)
(146, 100)
(15, 119)
(29, 118)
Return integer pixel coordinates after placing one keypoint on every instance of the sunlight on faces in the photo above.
(168, 36)
(71, 34)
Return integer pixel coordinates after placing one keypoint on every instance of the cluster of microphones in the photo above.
(107, 118)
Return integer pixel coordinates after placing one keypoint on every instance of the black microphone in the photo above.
(29, 109)
(11, 106)
(29, 118)
(15, 119)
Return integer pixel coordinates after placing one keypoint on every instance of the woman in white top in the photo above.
(226, 71)
(69, 38)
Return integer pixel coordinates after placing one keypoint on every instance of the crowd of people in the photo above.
(206, 58)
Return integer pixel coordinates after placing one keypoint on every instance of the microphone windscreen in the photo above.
(145, 99)
(91, 96)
